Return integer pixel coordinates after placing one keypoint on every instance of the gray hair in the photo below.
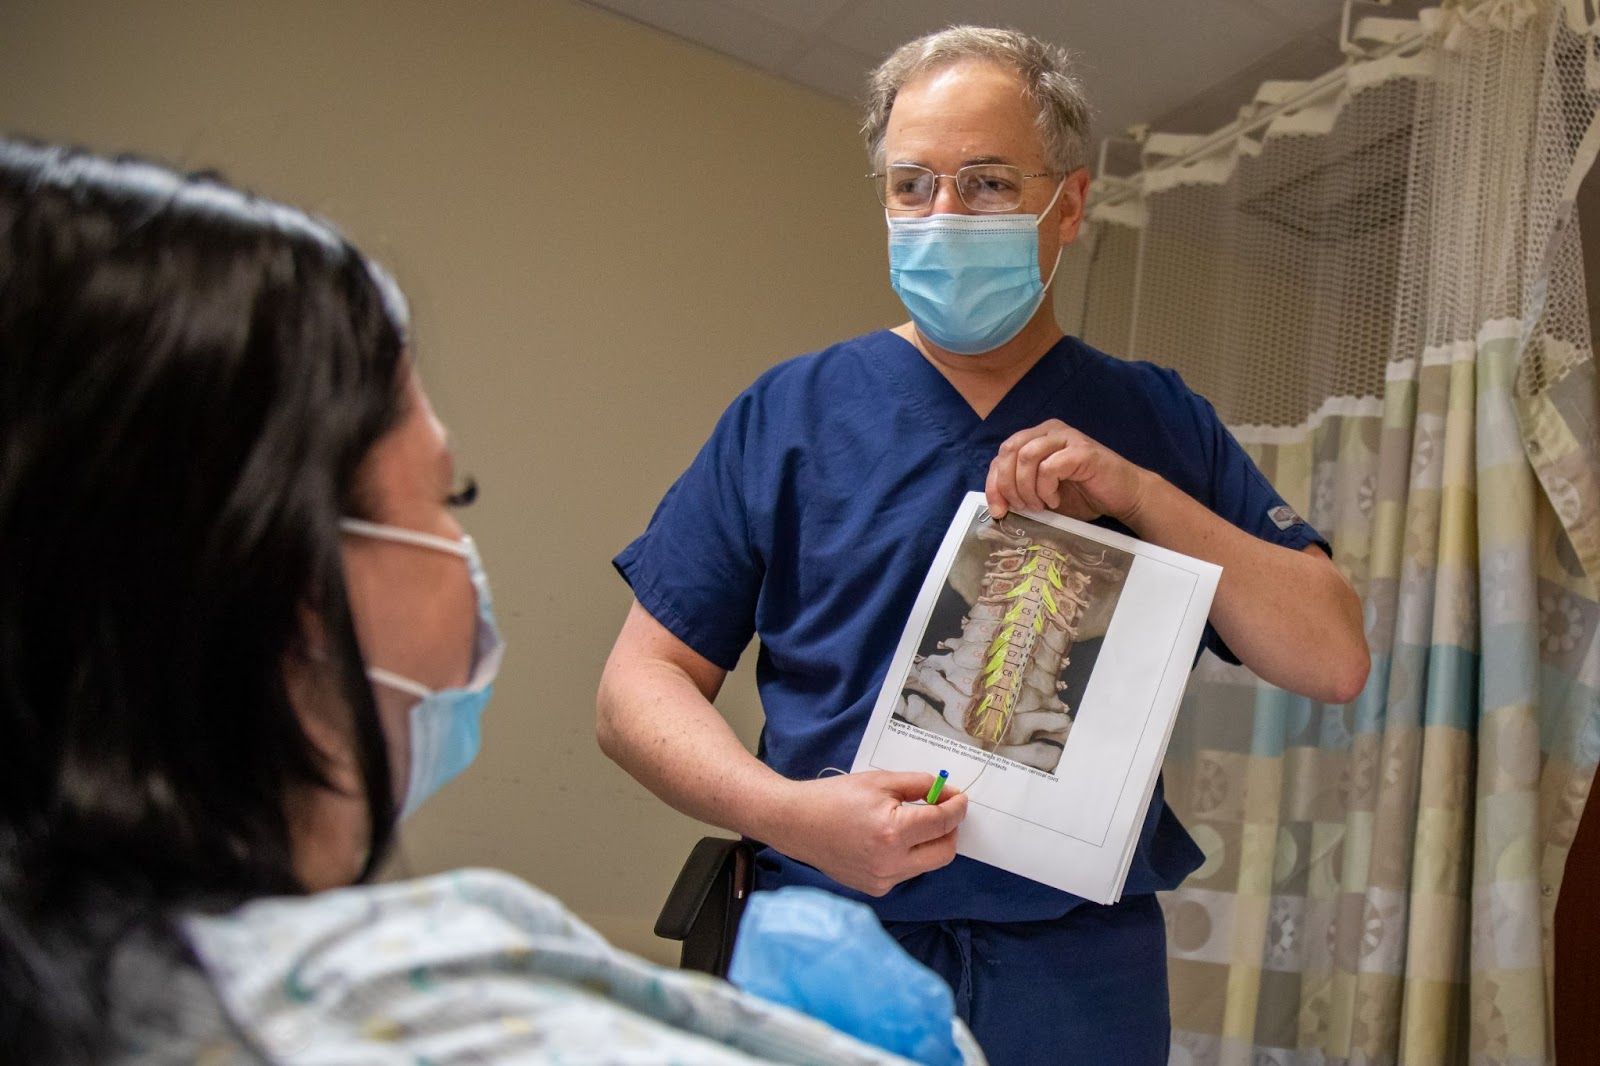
(1046, 71)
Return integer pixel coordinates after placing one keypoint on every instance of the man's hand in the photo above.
(1053, 467)
(860, 830)
(1288, 615)
(655, 718)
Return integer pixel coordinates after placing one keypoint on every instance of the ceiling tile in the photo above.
(732, 30)
(806, 17)
(1297, 15)
(877, 27)
(1163, 54)
(834, 69)
(1139, 59)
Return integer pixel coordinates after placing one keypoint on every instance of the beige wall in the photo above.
(605, 234)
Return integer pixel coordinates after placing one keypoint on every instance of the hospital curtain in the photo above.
(1381, 290)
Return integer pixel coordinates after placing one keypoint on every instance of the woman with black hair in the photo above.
(240, 633)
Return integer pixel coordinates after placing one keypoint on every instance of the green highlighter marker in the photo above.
(937, 786)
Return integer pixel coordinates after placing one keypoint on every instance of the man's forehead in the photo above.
(964, 161)
(965, 73)
(969, 84)
(968, 113)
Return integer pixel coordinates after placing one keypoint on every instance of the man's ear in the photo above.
(1074, 196)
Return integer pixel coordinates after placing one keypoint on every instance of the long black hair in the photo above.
(189, 380)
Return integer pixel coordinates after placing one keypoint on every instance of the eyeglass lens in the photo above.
(982, 187)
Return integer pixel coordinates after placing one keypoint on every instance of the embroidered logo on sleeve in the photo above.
(1283, 516)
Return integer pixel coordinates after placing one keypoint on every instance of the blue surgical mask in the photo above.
(445, 731)
(970, 282)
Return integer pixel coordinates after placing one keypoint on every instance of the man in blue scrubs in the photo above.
(812, 513)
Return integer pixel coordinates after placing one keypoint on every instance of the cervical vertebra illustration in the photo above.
(998, 682)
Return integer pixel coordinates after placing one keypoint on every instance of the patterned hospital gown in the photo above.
(468, 967)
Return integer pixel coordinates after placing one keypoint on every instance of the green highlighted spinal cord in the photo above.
(998, 684)
(1032, 595)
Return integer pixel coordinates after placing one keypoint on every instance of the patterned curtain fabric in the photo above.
(1382, 291)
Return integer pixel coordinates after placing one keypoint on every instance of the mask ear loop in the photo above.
(1060, 185)
(989, 757)
(378, 531)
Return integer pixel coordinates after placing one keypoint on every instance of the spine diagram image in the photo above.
(1029, 596)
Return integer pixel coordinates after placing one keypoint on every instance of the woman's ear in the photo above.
(314, 644)
(328, 825)
(313, 687)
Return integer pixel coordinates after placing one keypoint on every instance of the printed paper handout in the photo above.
(1042, 665)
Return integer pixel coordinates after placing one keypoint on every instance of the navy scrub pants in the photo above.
(1087, 988)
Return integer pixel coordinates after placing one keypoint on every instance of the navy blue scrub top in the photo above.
(810, 519)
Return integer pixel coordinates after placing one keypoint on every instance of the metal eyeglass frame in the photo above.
(877, 179)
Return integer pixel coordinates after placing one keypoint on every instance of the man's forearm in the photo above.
(656, 724)
(1290, 616)
(654, 718)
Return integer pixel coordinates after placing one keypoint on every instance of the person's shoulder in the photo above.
(354, 911)
(839, 363)
(1159, 386)
(465, 889)
(788, 400)
(164, 1011)
(1133, 372)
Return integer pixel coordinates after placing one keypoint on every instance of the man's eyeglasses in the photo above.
(987, 187)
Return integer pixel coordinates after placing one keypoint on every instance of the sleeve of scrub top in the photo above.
(694, 568)
(1241, 493)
